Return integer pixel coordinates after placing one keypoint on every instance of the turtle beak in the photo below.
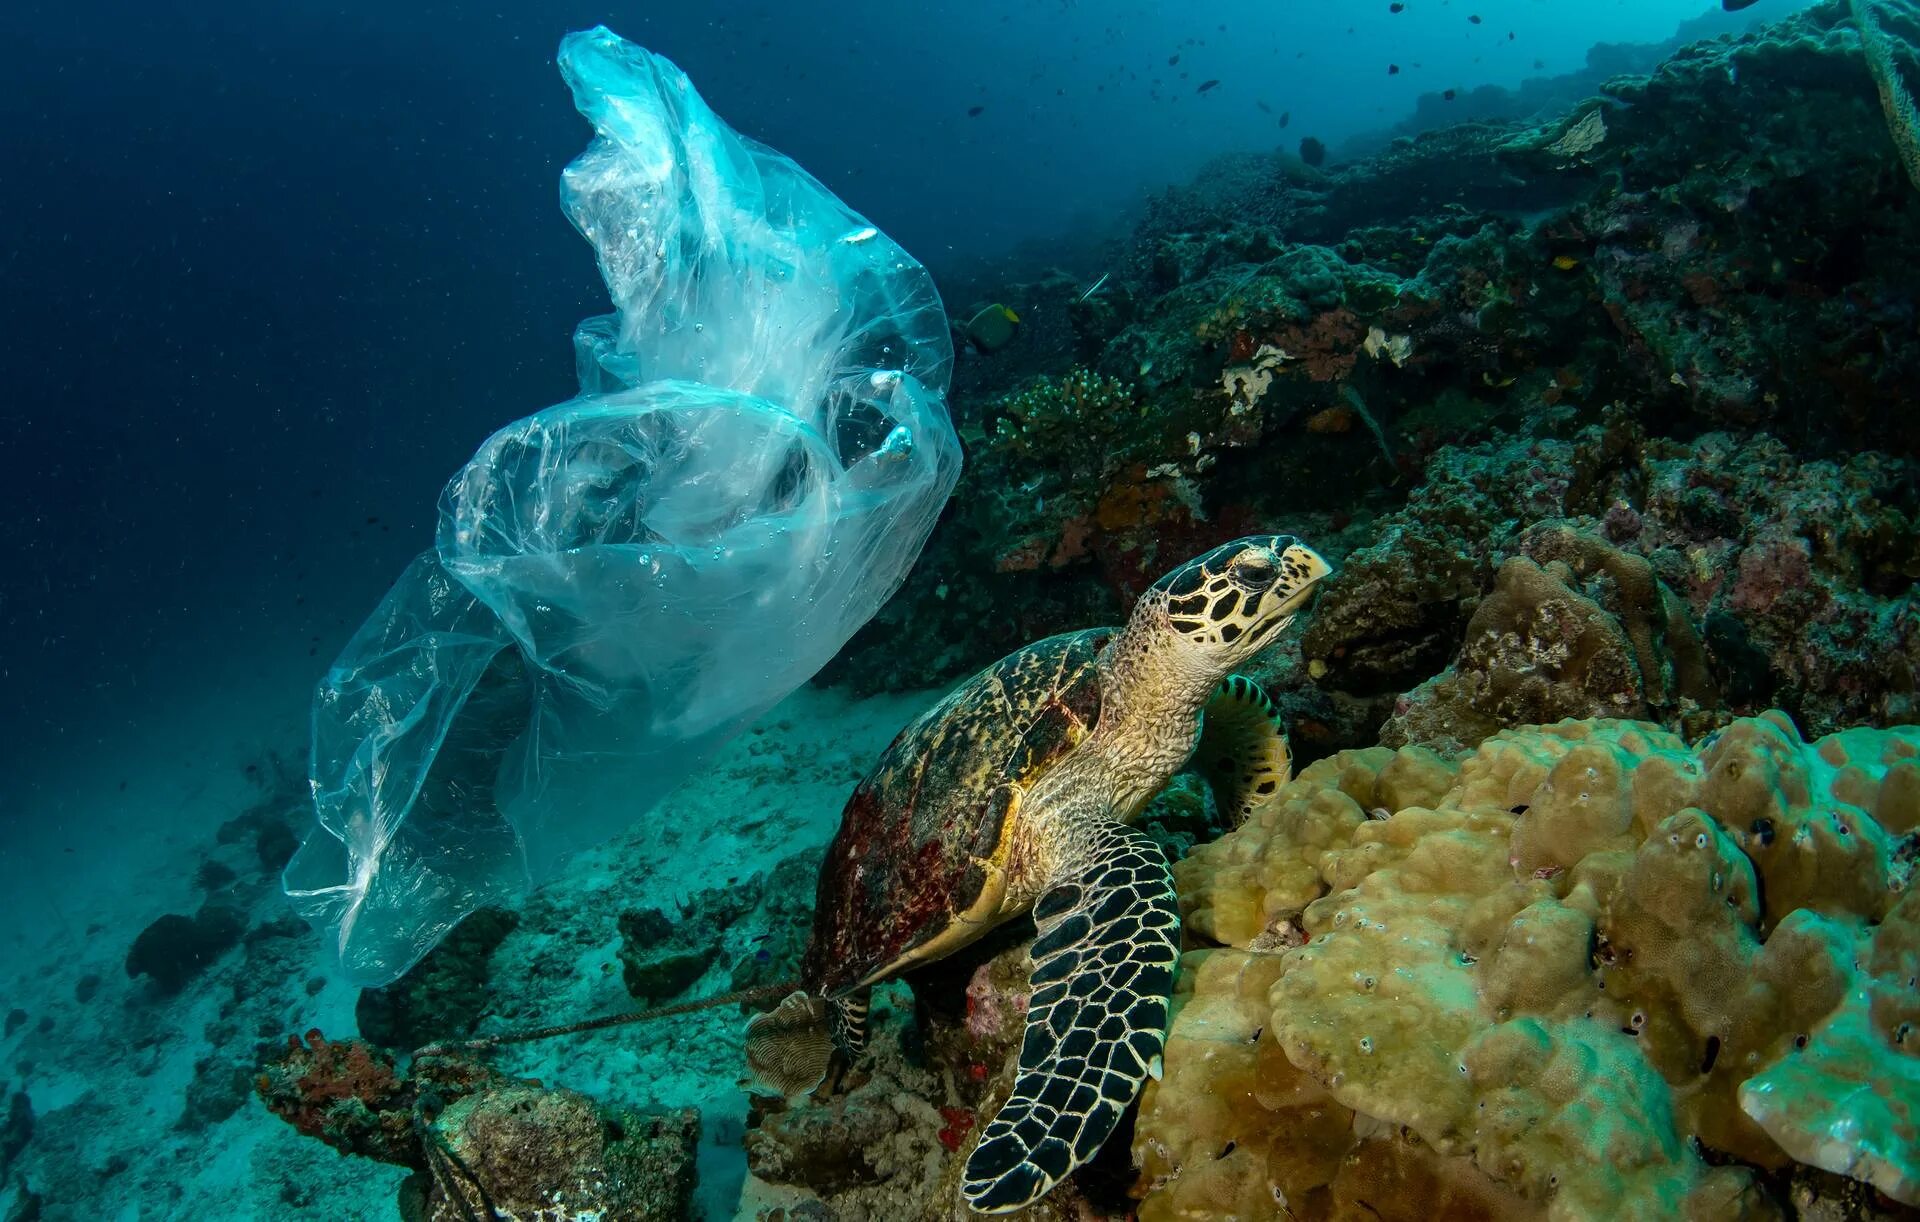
(1301, 571)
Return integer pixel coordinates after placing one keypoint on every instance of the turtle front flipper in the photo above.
(1103, 968)
(1242, 752)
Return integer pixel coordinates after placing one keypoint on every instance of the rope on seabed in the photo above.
(767, 992)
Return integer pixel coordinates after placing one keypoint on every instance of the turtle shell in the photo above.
(905, 863)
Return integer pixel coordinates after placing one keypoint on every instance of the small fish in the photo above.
(992, 328)
(1447, 95)
(1474, 19)
(1206, 85)
(973, 112)
(1172, 60)
(1565, 263)
(1096, 286)
(1393, 69)
(1734, 6)
(1264, 108)
(861, 235)
(1396, 7)
(1286, 117)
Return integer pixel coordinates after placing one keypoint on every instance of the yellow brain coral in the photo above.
(1542, 979)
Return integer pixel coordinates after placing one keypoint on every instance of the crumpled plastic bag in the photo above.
(622, 582)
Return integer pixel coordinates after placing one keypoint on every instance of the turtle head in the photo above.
(1235, 599)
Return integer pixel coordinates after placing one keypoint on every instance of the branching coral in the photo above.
(1075, 417)
(1558, 963)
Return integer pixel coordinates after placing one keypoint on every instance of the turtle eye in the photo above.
(1256, 571)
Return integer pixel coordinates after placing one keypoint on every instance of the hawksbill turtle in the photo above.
(1014, 794)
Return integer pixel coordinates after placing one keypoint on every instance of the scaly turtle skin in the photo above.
(1013, 795)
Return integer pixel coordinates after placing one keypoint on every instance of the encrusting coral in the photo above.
(1586, 970)
(1539, 649)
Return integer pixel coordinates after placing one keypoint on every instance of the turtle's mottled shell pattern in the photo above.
(905, 861)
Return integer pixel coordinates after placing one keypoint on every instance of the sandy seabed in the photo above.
(119, 1082)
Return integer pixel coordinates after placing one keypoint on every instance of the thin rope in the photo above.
(483, 1043)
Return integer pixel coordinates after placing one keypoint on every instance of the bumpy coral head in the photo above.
(1235, 599)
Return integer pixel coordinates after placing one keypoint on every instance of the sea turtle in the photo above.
(1014, 793)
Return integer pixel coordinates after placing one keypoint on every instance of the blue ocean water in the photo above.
(268, 278)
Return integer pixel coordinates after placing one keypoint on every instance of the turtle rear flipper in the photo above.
(1103, 968)
(1242, 752)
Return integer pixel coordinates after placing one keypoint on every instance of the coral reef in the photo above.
(1280, 345)
(1799, 575)
(347, 1093)
(1586, 969)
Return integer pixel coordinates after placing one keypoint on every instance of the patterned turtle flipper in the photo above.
(847, 1017)
(1103, 968)
(1242, 752)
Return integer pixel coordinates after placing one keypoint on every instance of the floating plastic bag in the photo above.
(623, 582)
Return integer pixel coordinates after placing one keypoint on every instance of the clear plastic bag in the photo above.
(622, 582)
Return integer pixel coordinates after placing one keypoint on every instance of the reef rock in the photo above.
(1541, 648)
(525, 1151)
(175, 949)
(444, 995)
(1732, 576)
(481, 1144)
(1286, 347)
